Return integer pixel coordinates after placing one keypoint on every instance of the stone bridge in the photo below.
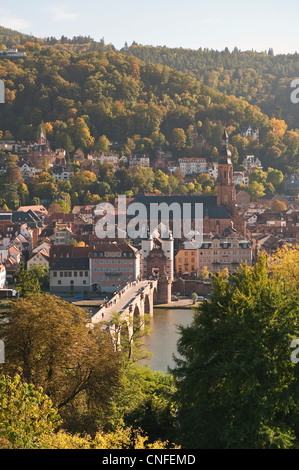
(134, 301)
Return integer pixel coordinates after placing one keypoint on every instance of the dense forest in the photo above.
(83, 97)
(83, 90)
(261, 78)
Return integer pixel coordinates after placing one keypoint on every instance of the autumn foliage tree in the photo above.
(48, 339)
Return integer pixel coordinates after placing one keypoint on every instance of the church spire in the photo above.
(225, 154)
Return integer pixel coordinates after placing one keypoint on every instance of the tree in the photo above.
(257, 175)
(161, 182)
(81, 134)
(204, 273)
(146, 401)
(275, 177)
(118, 439)
(179, 139)
(75, 365)
(144, 179)
(278, 206)
(26, 281)
(102, 144)
(284, 263)
(41, 273)
(26, 413)
(279, 126)
(59, 205)
(256, 190)
(237, 387)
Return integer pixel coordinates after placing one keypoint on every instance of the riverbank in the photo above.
(177, 304)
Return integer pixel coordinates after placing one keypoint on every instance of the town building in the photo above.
(229, 250)
(40, 153)
(2, 276)
(139, 160)
(113, 265)
(108, 157)
(62, 173)
(251, 162)
(13, 53)
(241, 177)
(70, 276)
(291, 184)
(39, 258)
(248, 132)
(157, 257)
(190, 166)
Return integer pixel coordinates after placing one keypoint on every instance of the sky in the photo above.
(192, 24)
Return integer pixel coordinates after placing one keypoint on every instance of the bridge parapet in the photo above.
(133, 293)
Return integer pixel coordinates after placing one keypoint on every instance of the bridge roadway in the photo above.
(132, 296)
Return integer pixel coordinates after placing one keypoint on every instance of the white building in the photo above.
(191, 166)
(29, 170)
(70, 275)
(241, 177)
(213, 170)
(2, 276)
(62, 173)
(250, 161)
(107, 157)
(39, 258)
(139, 160)
(250, 132)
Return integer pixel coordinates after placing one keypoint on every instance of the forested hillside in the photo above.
(263, 79)
(83, 98)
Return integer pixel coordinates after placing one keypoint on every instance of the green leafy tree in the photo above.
(41, 273)
(27, 415)
(146, 401)
(26, 281)
(256, 190)
(237, 385)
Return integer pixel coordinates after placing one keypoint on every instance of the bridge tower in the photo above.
(164, 289)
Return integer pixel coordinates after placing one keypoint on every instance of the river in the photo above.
(162, 341)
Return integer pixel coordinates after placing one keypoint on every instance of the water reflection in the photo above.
(163, 338)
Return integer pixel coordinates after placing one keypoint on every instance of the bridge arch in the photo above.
(136, 312)
(155, 295)
(147, 304)
(96, 287)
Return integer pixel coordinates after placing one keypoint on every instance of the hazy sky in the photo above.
(214, 24)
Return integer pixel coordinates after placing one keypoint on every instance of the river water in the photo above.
(162, 341)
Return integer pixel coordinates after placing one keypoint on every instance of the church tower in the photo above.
(226, 191)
